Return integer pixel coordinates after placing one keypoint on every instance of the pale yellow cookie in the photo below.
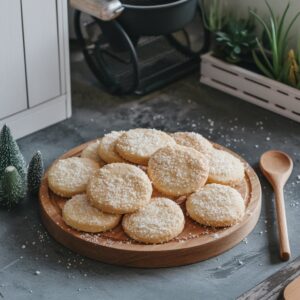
(68, 177)
(106, 149)
(137, 145)
(79, 214)
(225, 168)
(91, 152)
(178, 170)
(216, 205)
(159, 221)
(193, 140)
(119, 188)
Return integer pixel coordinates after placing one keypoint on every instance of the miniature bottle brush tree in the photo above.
(15, 181)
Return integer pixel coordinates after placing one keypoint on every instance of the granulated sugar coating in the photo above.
(79, 214)
(91, 152)
(119, 188)
(193, 140)
(225, 168)
(68, 177)
(159, 221)
(178, 170)
(106, 149)
(216, 205)
(137, 145)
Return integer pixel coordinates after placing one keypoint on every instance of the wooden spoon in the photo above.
(277, 166)
(292, 291)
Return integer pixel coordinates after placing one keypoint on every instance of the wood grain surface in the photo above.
(272, 288)
(194, 244)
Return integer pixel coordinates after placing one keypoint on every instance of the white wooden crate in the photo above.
(252, 87)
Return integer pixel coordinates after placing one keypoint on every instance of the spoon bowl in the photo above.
(276, 164)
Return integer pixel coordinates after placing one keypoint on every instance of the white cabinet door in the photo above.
(41, 50)
(13, 97)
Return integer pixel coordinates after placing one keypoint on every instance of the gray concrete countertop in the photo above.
(34, 266)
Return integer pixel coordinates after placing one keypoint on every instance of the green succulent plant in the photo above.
(213, 15)
(270, 58)
(236, 40)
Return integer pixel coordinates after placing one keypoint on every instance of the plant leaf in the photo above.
(280, 27)
(261, 66)
(262, 22)
(272, 13)
(262, 51)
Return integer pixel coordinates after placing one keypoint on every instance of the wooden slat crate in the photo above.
(252, 87)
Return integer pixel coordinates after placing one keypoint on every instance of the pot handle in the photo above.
(110, 9)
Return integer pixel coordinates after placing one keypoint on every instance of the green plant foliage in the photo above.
(236, 41)
(35, 172)
(213, 15)
(271, 59)
(13, 188)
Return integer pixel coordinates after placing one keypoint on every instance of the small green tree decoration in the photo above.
(35, 173)
(10, 154)
(13, 188)
(13, 171)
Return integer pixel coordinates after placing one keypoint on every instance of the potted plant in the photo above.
(261, 70)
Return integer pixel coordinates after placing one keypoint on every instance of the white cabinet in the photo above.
(34, 64)
(41, 50)
(13, 97)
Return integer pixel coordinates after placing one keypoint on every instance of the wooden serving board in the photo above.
(194, 244)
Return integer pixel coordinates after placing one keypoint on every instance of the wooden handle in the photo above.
(285, 251)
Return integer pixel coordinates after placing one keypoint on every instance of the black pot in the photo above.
(158, 19)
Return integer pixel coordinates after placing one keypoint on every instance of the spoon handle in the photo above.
(285, 251)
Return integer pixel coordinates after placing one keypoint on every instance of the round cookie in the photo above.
(178, 170)
(137, 145)
(106, 149)
(91, 152)
(119, 188)
(68, 177)
(157, 222)
(79, 214)
(216, 205)
(193, 140)
(225, 168)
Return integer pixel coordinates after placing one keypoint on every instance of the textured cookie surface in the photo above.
(91, 152)
(119, 188)
(137, 145)
(79, 214)
(68, 177)
(159, 221)
(193, 140)
(225, 168)
(178, 170)
(106, 149)
(216, 205)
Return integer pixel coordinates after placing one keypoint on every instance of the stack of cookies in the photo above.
(137, 176)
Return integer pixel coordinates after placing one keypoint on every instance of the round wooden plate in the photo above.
(194, 244)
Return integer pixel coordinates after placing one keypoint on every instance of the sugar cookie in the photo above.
(91, 152)
(137, 145)
(79, 214)
(178, 170)
(193, 140)
(68, 177)
(119, 188)
(106, 149)
(225, 168)
(157, 222)
(216, 205)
